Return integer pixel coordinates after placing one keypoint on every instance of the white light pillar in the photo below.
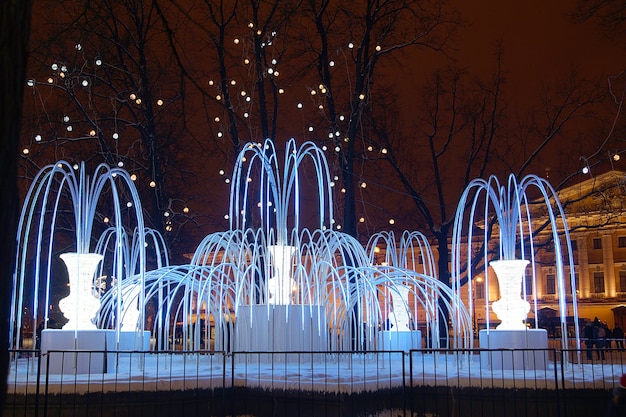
(281, 285)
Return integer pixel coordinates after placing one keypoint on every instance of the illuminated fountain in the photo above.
(42, 234)
(269, 283)
(500, 214)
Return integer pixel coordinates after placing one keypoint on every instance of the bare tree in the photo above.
(102, 89)
(349, 44)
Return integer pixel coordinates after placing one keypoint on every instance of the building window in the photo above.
(621, 241)
(622, 281)
(529, 284)
(550, 284)
(480, 290)
(597, 243)
(574, 244)
(598, 282)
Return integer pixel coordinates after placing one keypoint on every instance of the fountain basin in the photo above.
(74, 352)
(516, 349)
(281, 328)
(399, 340)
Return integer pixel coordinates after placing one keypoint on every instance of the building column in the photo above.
(584, 286)
(609, 265)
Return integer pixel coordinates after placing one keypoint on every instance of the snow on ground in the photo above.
(320, 372)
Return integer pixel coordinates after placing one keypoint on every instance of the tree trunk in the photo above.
(14, 34)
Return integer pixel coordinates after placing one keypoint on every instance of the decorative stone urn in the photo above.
(81, 305)
(281, 285)
(511, 308)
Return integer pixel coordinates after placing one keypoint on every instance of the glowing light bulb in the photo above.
(25, 151)
(85, 83)
(152, 184)
(350, 45)
(116, 136)
(586, 170)
(98, 62)
(106, 220)
(129, 204)
(392, 221)
(38, 138)
(363, 185)
(92, 132)
(133, 96)
(159, 102)
(133, 177)
(331, 63)
(30, 83)
(66, 119)
(299, 105)
(185, 209)
(236, 41)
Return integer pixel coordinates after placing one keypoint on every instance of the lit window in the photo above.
(598, 282)
(597, 243)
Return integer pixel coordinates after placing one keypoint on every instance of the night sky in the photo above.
(541, 42)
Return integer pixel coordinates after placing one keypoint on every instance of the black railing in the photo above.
(476, 382)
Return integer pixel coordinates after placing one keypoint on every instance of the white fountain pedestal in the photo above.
(399, 340)
(516, 349)
(73, 352)
(280, 328)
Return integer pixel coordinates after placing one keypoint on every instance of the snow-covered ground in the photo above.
(321, 372)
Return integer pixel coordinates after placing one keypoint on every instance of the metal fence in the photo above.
(424, 383)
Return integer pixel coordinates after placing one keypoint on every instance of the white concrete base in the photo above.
(399, 340)
(86, 351)
(511, 341)
(280, 328)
